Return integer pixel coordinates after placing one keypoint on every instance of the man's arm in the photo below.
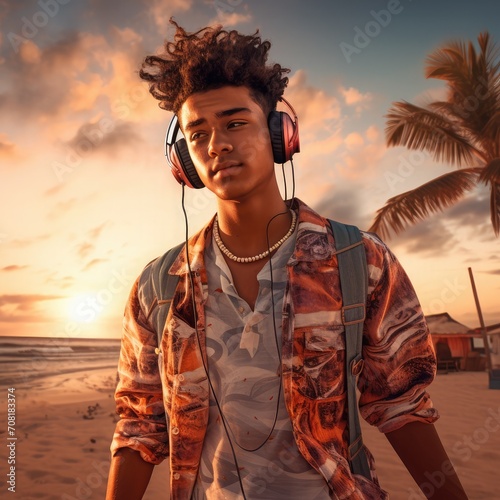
(139, 403)
(420, 449)
(129, 476)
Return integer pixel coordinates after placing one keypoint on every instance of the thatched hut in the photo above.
(455, 339)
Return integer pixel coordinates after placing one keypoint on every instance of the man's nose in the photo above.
(219, 144)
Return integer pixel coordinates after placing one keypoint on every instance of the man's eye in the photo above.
(196, 135)
(236, 124)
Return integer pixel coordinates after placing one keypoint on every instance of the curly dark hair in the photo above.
(209, 59)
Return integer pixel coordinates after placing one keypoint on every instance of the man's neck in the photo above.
(245, 226)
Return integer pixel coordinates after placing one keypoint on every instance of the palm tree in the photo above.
(463, 131)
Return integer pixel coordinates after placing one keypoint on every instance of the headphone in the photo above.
(284, 133)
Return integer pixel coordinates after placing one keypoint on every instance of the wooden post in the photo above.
(483, 327)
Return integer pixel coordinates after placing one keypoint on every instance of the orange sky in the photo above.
(87, 198)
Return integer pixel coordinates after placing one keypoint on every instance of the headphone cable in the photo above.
(227, 428)
(195, 317)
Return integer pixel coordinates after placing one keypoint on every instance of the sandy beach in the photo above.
(64, 424)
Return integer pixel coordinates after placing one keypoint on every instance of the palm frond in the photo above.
(420, 128)
(490, 51)
(463, 130)
(492, 131)
(408, 208)
(472, 79)
(447, 63)
(490, 174)
(495, 207)
(447, 108)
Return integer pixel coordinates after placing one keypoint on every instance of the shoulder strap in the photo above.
(354, 286)
(164, 286)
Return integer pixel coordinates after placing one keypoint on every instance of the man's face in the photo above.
(228, 139)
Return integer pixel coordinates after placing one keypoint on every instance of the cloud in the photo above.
(13, 267)
(54, 190)
(7, 148)
(60, 282)
(51, 74)
(84, 249)
(29, 52)
(84, 93)
(343, 206)
(79, 77)
(470, 210)
(430, 238)
(322, 124)
(92, 263)
(473, 259)
(229, 16)
(354, 141)
(91, 138)
(333, 156)
(317, 110)
(493, 271)
(363, 153)
(161, 11)
(27, 242)
(63, 207)
(23, 308)
(353, 97)
(472, 216)
(468, 219)
(95, 232)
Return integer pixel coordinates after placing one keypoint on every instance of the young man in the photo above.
(246, 392)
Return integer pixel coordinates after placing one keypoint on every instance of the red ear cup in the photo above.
(290, 136)
(188, 172)
(284, 134)
(178, 158)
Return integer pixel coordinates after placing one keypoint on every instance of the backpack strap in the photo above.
(164, 286)
(354, 286)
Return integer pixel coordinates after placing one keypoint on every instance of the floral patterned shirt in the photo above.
(162, 394)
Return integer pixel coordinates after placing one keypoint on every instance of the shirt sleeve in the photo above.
(139, 402)
(399, 358)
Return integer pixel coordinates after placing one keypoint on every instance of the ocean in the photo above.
(25, 359)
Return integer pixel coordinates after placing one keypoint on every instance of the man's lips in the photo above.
(226, 166)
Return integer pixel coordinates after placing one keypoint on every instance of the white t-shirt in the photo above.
(243, 361)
